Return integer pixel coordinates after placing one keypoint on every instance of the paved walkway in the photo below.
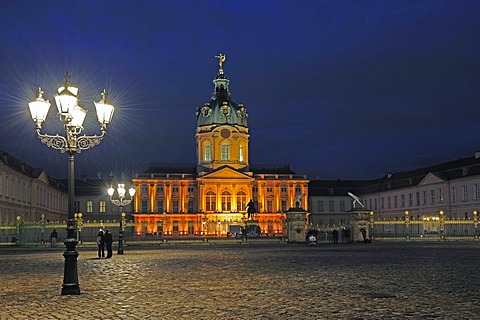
(248, 281)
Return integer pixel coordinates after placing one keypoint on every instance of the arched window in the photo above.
(208, 152)
(226, 201)
(211, 200)
(240, 153)
(225, 151)
(241, 200)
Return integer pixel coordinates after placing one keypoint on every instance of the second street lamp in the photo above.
(121, 202)
(72, 116)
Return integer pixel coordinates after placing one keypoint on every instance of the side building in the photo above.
(28, 193)
(446, 191)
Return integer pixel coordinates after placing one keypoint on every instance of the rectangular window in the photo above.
(225, 152)
(190, 205)
(454, 194)
(464, 193)
(144, 189)
(382, 203)
(76, 206)
(342, 204)
(417, 195)
(476, 190)
(410, 200)
(320, 206)
(240, 153)
(6, 186)
(269, 206)
(89, 206)
(175, 206)
(332, 222)
(208, 152)
(375, 204)
(144, 206)
(103, 206)
(284, 205)
(395, 201)
(331, 205)
(389, 203)
(432, 196)
(440, 195)
(160, 206)
(403, 201)
(269, 189)
(424, 195)
(159, 189)
(283, 189)
(369, 204)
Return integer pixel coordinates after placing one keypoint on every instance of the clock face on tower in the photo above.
(225, 133)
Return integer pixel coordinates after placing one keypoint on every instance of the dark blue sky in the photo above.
(336, 89)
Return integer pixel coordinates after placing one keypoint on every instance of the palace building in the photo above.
(210, 198)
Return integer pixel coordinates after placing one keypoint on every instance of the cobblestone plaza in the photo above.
(412, 280)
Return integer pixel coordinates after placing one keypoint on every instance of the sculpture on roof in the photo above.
(221, 59)
(297, 200)
(355, 200)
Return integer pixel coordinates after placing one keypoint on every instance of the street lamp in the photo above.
(121, 202)
(72, 116)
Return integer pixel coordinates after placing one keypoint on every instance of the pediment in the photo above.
(226, 173)
(43, 177)
(431, 178)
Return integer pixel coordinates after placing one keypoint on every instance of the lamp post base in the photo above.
(120, 244)
(70, 276)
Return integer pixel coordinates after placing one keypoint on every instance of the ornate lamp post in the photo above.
(121, 202)
(72, 116)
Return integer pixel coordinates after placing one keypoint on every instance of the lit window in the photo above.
(211, 199)
(89, 206)
(225, 152)
(102, 206)
(226, 201)
(241, 200)
(208, 152)
(240, 153)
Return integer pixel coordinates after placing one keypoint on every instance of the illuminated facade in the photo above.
(210, 198)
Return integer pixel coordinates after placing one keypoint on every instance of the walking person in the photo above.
(53, 238)
(108, 243)
(101, 244)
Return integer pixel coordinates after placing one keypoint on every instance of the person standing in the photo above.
(101, 244)
(53, 238)
(108, 243)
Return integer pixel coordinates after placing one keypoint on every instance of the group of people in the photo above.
(104, 241)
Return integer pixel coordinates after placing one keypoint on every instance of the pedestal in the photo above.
(296, 225)
(359, 220)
